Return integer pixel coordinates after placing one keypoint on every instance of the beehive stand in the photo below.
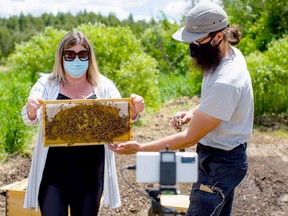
(15, 194)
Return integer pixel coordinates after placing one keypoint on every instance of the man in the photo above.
(221, 124)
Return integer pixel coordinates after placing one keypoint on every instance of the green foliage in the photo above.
(171, 55)
(269, 72)
(177, 78)
(36, 55)
(13, 133)
(16, 29)
(121, 58)
(172, 87)
(6, 41)
(260, 21)
(118, 52)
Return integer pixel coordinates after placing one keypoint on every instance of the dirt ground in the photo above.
(263, 192)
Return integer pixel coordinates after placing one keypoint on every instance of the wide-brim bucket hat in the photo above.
(206, 17)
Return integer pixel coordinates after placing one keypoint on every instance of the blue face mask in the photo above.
(76, 68)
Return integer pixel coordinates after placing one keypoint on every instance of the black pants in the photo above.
(54, 201)
(73, 177)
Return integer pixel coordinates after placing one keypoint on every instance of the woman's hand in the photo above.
(32, 106)
(130, 147)
(138, 105)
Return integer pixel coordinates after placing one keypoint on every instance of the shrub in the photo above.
(13, 133)
(269, 72)
(119, 54)
(36, 55)
(171, 54)
(121, 58)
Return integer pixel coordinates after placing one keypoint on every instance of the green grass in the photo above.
(282, 133)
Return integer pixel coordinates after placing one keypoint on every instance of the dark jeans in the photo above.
(220, 172)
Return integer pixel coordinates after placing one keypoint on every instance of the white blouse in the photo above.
(47, 88)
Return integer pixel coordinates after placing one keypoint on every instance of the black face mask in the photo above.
(206, 56)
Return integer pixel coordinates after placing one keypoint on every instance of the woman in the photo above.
(72, 176)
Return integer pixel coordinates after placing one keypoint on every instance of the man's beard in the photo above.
(208, 61)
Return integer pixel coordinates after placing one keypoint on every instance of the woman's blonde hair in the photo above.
(69, 40)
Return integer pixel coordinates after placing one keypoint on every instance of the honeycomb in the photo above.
(95, 122)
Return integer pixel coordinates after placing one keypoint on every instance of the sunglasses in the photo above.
(70, 55)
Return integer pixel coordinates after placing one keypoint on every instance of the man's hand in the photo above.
(181, 118)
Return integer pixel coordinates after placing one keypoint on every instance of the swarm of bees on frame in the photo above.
(86, 123)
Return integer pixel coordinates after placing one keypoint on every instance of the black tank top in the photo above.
(75, 165)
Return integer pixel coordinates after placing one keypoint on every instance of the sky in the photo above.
(140, 9)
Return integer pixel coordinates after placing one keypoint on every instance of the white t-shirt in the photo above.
(227, 95)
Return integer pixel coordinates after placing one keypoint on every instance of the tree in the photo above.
(260, 21)
(6, 41)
